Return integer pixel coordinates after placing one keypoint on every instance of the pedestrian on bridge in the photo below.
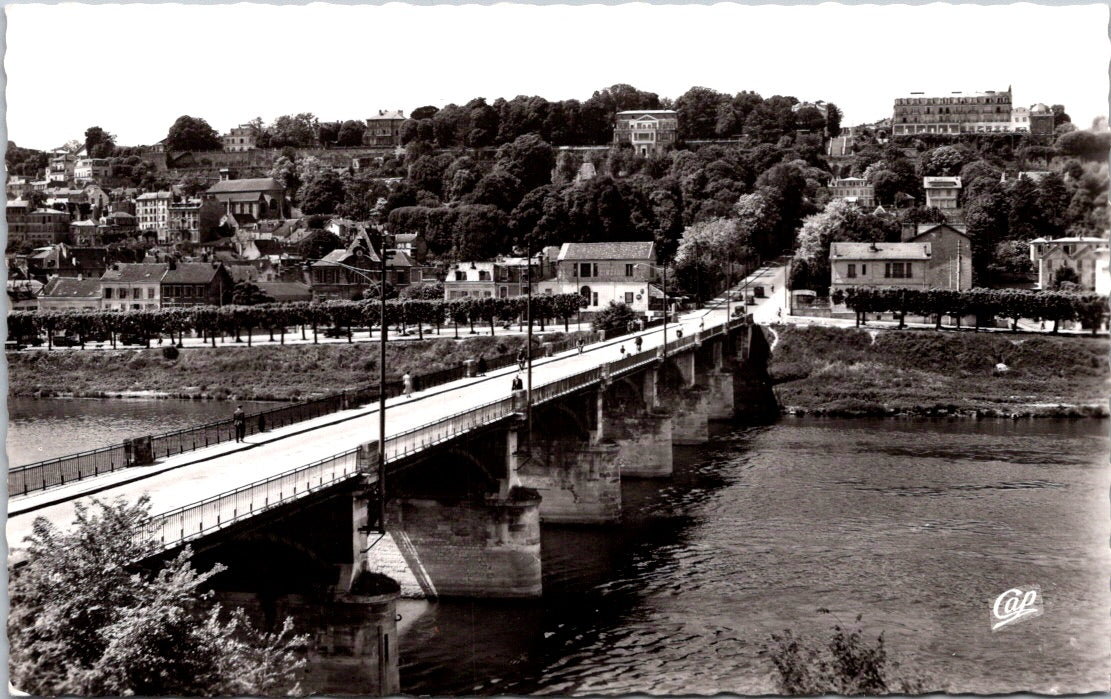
(580, 343)
(622, 351)
(518, 385)
(639, 341)
(481, 365)
(521, 359)
(407, 385)
(239, 420)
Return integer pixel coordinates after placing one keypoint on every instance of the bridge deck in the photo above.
(190, 478)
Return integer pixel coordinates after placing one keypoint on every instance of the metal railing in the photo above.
(201, 518)
(212, 514)
(66, 469)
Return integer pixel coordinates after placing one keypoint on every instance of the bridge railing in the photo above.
(198, 519)
(195, 520)
(66, 469)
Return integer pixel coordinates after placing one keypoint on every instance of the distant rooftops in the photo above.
(941, 182)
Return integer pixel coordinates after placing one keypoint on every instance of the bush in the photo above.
(170, 352)
(847, 664)
(616, 316)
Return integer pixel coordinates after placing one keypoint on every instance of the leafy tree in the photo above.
(323, 193)
(426, 112)
(1084, 144)
(946, 160)
(99, 143)
(428, 171)
(327, 132)
(833, 120)
(427, 291)
(528, 158)
(1065, 275)
(121, 628)
(296, 131)
(319, 244)
(615, 316)
(351, 133)
(698, 112)
(482, 124)
(248, 294)
(192, 134)
(1059, 115)
(810, 119)
(498, 188)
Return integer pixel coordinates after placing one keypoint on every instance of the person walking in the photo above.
(580, 343)
(239, 420)
(518, 385)
(639, 341)
(407, 385)
(622, 351)
(521, 359)
(481, 365)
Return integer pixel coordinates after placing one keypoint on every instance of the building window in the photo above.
(460, 276)
(150, 292)
(483, 276)
(108, 292)
(897, 270)
(628, 298)
(863, 270)
(586, 269)
(629, 270)
(851, 273)
(123, 293)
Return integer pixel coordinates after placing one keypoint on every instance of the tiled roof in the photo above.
(880, 251)
(137, 272)
(151, 196)
(71, 287)
(259, 184)
(190, 273)
(608, 251)
(387, 114)
(941, 182)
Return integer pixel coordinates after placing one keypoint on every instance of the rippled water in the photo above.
(916, 524)
(43, 428)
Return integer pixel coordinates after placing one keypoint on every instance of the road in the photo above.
(188, 478)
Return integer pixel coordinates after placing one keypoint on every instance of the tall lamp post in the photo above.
(381, 373)
(664, 267)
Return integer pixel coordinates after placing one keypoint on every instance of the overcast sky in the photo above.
(133, 69)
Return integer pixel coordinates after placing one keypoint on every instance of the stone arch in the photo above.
(669, 381)
(624, 396)
(559, 423)
(449, 472)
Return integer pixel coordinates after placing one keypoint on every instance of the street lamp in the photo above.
(664, 267)
(528, 342)
(381, 374)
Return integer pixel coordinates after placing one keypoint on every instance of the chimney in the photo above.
(172, 263)
(225, 174)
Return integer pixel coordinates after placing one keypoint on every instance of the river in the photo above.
(918, 525)
(43, 428)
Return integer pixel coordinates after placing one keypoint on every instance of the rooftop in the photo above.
(137, 272)
(639, 250)
(190, 273)
(258, 184)
(71, 287)
(880, 251)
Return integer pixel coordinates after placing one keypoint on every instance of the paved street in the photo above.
(191, 477)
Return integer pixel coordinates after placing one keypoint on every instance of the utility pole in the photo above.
(382, 385)
(528, 344)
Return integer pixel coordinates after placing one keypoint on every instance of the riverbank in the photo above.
(270, 372)
(869, 372)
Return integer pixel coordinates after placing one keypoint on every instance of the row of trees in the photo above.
(1015, 304)
(703, 114)
(210, 322)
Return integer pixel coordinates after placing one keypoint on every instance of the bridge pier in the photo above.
(470, 547)
(641, 431)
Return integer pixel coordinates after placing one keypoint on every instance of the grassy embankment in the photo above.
(265, 372)
(846, 371)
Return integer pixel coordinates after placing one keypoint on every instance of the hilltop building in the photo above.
(649, 131)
